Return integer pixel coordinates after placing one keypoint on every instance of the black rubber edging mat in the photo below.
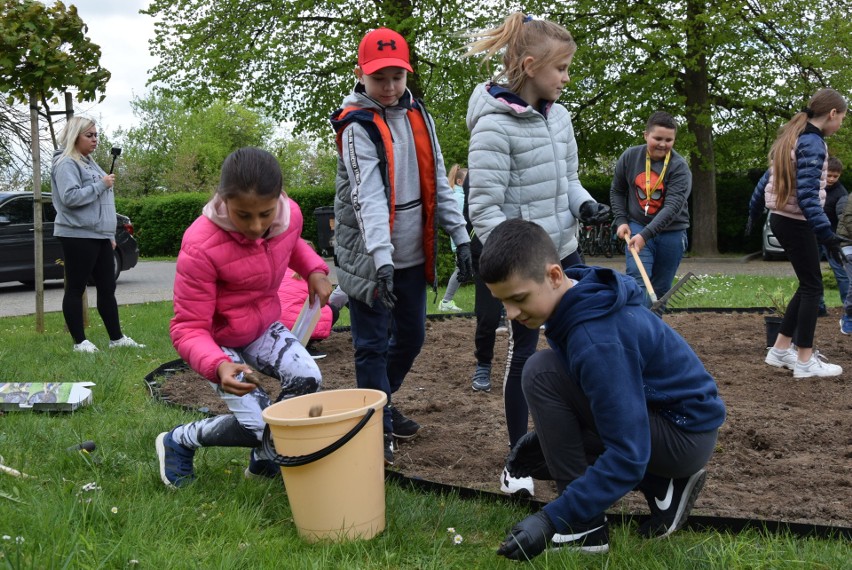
(694, 522)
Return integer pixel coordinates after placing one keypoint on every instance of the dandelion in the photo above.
(457, 539)
(114, 510)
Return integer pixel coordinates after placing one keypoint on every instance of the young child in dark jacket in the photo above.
(620, 401)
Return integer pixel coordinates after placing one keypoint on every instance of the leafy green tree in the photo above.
(45, 51)
(177, 148)
(732, 70)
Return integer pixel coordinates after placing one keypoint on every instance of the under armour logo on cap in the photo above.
(382, 48)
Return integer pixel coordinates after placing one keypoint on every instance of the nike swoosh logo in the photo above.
(562, 538)
(667, 501)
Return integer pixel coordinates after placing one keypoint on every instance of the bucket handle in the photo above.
(299, 460)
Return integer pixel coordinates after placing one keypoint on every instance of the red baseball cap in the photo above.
(382, 48)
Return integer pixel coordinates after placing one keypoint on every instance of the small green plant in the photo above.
(777, 299)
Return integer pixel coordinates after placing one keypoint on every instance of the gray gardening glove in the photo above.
(593, 213)
(528, 538)
(384, 293)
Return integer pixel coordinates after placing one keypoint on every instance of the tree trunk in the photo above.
(38, 226)
(700, 123)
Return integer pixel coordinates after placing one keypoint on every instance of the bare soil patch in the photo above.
(784, 452)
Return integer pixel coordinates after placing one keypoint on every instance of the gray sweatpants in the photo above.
(569, 437)
(276, 353)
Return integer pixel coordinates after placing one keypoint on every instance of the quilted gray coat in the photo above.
(523, 164)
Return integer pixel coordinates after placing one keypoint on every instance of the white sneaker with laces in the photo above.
(125, 341)
(517, 486)
(782, 358)
(449, 306)
(85, 346)
(816, 366)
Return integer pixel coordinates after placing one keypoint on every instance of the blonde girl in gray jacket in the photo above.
(523, 163)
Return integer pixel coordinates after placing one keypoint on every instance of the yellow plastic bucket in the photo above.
(332, 464)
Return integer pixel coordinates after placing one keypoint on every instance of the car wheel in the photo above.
(116, 256)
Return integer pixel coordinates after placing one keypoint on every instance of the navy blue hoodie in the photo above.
(627, 361)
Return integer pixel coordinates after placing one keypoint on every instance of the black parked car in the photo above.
(17, 249)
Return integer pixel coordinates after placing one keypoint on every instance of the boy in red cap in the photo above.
(392, 195)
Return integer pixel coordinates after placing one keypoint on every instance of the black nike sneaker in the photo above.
(670, 501)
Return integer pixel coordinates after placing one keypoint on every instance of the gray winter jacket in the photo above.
(85, 206)
(363, 237)
(523, 164)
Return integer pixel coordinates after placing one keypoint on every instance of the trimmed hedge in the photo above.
(160, 221)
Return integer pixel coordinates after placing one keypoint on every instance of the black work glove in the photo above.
(464, 261)
(527, 460)
(593, 213)
(749, 226)
(832, 248)
(528, 538)
(385, 286)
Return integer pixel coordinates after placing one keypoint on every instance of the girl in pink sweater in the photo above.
(226, 322)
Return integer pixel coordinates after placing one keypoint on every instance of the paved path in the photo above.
(152, 281)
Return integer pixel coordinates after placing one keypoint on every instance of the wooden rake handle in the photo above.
(641, 267)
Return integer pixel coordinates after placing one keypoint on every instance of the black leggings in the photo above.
(800, 243)
(86, 257)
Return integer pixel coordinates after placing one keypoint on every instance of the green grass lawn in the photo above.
(110, 510)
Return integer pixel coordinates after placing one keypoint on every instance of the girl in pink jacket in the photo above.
(226, 324)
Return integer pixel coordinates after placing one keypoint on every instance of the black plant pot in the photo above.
(773, 326)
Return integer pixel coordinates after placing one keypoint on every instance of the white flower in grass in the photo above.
(132, 562)
(451, 530)
(7, 537)
(19, 540)
(457, 539)
(114, 510)
(93, 486)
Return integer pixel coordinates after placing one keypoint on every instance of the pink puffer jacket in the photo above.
(292, 294)
(226, 286)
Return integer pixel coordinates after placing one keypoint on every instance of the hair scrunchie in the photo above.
(808, 111)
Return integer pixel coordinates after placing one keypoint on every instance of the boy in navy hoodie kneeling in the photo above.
(620, 401)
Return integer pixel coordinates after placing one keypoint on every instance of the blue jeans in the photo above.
(839, 274)
(387, 342)
(661, 257)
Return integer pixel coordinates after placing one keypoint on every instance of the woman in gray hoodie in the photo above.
(85, 225)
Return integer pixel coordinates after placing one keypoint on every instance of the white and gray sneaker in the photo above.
(125, 341)
(782, 358)
(85, 346)
(516, 486)
(816, 366)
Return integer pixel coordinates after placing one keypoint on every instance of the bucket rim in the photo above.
(379, 399)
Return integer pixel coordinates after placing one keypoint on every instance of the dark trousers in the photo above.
(800, 243)
(86, 258)
(387, 342)
(486, 308)
(522, 344)
(570, 437)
